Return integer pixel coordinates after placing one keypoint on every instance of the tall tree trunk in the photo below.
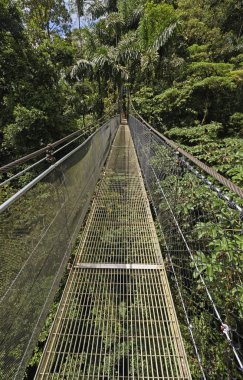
(100, 102)
(48, 29)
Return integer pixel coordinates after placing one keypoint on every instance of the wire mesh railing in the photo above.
(38, 226)
(16, 174)
(201, 237)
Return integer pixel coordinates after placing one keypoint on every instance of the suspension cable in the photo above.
(212, 172)
(43, 159)
(38, 152)
(224, 327)
(26, 188)
(189, 325)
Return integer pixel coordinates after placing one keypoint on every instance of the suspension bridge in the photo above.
(153, 288)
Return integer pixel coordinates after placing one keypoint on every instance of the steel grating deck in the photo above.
(116, 319)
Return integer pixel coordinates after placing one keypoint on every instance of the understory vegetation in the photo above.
(194, 95)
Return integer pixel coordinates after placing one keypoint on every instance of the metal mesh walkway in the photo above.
(116, 319)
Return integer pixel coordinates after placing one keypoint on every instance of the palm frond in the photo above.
(129, 54)
(121, 70)
(134, 17)
(83, 66)
(149, 59)
(96, 9)
(101, 61)
(128, 48)
(89, 38)
(164, 36)
(113, 20)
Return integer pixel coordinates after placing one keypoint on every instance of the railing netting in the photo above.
(38, 229)
(201, 236)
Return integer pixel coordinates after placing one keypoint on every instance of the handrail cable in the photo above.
(180, 295)
(22, 191)
(42, 160)
(38, 152)
(224, 326)
(39, 225)
(212, 172)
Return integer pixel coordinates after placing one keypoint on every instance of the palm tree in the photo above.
(114, 23)
(96, 9)
(78, 7)
(165, 36)
(82, 68)
(113, 53)
(111, 6)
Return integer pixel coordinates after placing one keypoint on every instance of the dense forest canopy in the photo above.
(181, 60)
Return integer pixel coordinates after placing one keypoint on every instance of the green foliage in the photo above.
(236, 121)
(35, 100)
(213, 233)
(156, 18)
(198, 134)
(237, 75)
(144, 100)
(209, 95)
(130, 10)
(199, 52)
(237, 61)
(35, 359)
(45, 18)
(207, 69)
(208, 144)
(29, 128)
